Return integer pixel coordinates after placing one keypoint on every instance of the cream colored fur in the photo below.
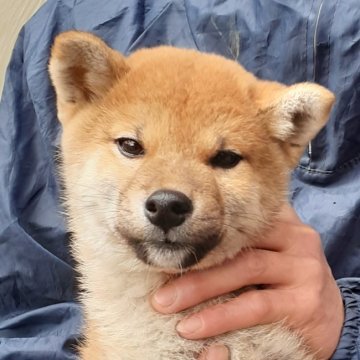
(184, 106)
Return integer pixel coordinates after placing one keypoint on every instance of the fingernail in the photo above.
(189, 325)
(217, 352)
(165, 296)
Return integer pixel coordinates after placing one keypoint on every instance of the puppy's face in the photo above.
(176, 157)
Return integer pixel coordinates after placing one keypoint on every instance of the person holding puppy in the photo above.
(297, 287)
(277, 40)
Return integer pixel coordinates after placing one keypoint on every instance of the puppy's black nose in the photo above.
(167, 208)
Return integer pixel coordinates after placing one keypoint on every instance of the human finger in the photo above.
(215, 352)
(249, 309)
(296, 238)
(288, 214)
(252, 267)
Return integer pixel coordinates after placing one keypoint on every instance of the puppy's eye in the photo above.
(130, 147)
(225, 159)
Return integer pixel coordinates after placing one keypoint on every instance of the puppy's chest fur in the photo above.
(123, 326)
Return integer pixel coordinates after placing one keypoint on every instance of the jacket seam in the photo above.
(190, 28)
(353, 161)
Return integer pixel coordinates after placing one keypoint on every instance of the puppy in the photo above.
(173, 160)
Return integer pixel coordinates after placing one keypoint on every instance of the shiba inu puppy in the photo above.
(173, 160)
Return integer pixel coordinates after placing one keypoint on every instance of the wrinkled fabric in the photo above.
(348, 347)
(287, 41)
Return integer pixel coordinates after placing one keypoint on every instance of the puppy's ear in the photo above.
(296, 114)
(82, 69)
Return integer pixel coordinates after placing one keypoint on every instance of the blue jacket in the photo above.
(288, 41)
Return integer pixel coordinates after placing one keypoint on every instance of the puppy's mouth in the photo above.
(173, 255)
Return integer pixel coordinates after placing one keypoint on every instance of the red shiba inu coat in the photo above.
(173, 160)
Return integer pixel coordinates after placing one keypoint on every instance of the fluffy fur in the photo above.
(183, 107)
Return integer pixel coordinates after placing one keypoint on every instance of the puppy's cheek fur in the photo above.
(240, 226)
(93, 198)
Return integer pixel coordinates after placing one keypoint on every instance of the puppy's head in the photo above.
(178, 158)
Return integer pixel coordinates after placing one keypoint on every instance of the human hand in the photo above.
(298, 287)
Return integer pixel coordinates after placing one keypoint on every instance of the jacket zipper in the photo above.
(314, 64)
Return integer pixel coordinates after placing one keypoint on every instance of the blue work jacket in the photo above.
(287, 41)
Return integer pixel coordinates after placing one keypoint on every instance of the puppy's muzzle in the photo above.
(173, 242)
(167, 209)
